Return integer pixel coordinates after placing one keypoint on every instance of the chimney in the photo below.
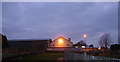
(69, 39)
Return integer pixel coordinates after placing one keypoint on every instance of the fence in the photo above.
(86, 58)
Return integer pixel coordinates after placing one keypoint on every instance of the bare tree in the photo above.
(4, 42)
(105, 40)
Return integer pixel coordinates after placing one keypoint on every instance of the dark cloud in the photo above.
(48, 20)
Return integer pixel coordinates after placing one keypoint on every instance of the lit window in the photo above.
(99, 48)
(76, 46)
(83, 46)
(60, 41)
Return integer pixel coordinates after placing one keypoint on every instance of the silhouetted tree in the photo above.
(115, 47)
(105, 40)
(91, 45)
(4, 42)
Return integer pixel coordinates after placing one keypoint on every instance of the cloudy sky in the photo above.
(45, 20)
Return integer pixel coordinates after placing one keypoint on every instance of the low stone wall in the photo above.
(63, 49)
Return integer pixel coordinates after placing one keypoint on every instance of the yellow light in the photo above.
(99, 48)
(60, 41)
(76, 46)
(84, 35)
(83, 46)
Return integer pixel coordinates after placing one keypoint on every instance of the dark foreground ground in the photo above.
(53, 57)
(44, 56)
(47, 57)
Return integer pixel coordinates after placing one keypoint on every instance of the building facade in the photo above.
(61, 42)
(29, 45)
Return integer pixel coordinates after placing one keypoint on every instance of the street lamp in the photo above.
(84, 35)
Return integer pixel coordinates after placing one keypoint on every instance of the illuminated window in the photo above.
(83, 46)
(60, 41)
(99, 48)
(76, 46)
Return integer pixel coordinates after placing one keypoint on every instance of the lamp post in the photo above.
(84, 37)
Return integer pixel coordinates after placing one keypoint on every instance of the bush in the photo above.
(115, 47)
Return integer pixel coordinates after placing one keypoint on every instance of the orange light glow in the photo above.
(99, 48)
(84, 35)
(60, 41)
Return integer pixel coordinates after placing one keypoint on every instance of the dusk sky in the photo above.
(45, 20)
